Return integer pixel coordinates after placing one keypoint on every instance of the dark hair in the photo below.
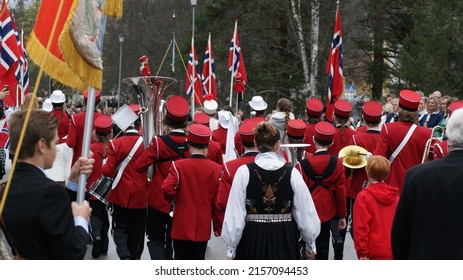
(41, 124)
(267, 136)
(175, 125)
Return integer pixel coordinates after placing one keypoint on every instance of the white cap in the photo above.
(257, 103)
(58, 97)
(47, 106)
(210, 106)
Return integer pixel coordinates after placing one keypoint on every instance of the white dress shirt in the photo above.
(303, 212)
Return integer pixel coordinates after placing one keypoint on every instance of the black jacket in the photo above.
(38, 217)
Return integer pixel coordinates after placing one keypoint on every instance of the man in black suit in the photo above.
(38, 215)
(427, 223)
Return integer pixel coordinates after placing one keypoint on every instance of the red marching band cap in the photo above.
(135, 108)
(143, 58)
(372, 111)
(199, 134)
(246, 130)
(314, 107)
(201, 118)
(324, 132)
(177, 108)
(296, 128)
(454, 106)
(342, 108)
(97, 95)
(409, 100)
(103, 124)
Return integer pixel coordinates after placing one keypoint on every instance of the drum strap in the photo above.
(125, 162)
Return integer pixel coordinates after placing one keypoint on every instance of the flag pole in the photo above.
(173, 42)
(193, 78)
(209, 46)
(234, 46)
(86, 142)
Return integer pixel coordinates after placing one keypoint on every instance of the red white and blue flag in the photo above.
(334, 68)
(10, 50)
(235, 56)
(193, 84)
(23, 67)
(209, 80)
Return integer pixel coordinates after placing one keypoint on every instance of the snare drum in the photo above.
(101, 188)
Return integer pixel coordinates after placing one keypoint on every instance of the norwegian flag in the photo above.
(193, 77)
(209, 81)
(23, 67)
(10, 51)
(235, 57)
(334, 68)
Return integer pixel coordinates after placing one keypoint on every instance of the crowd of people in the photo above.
(223, 173)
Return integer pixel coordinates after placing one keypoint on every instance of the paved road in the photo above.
(216, 250)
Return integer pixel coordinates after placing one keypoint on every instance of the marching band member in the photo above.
(403, 142)
(440, 149)
(76, 128)
(341, 138)
(39, 218)
(99, 219)
(322, 172)
(193, 195)
(314, 111)
(258, 105)
(127, 196)
(261, 229)
(214, 150)
(145, 69)
(228, 173)
(372, 112)
(160, 153)
(58, 99)
(295, 133)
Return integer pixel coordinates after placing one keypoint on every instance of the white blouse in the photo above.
(303, 212)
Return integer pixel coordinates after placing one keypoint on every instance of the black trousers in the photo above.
(322, 242)
(158, 227)
(189, 250)
(99, 222)
(128, 229)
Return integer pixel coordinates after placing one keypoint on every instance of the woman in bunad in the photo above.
(269, 206)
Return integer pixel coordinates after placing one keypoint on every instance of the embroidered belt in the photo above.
(269, 218)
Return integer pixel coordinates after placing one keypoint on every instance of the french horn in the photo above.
(353, 156)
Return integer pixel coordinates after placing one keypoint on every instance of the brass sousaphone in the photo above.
(353, 156)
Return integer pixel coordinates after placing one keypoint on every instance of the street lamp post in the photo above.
(193, 5)
(121, 40)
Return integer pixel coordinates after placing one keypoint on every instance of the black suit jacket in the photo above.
(428, 221)
(38, 217)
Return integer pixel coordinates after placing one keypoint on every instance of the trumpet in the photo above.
(430, 141)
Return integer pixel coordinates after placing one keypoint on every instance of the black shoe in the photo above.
(338, 250)
(96, 250)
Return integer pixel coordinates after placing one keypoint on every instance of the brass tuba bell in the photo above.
(353, 156)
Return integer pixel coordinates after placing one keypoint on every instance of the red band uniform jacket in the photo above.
(228, 173)
(367, 140)
(159, 154)
(392, 135)
(131, 190)
(63, 123)
(76, 133)
(326, 203)
(194, 191)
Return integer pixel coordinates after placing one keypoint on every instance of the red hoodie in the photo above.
(374, 211)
